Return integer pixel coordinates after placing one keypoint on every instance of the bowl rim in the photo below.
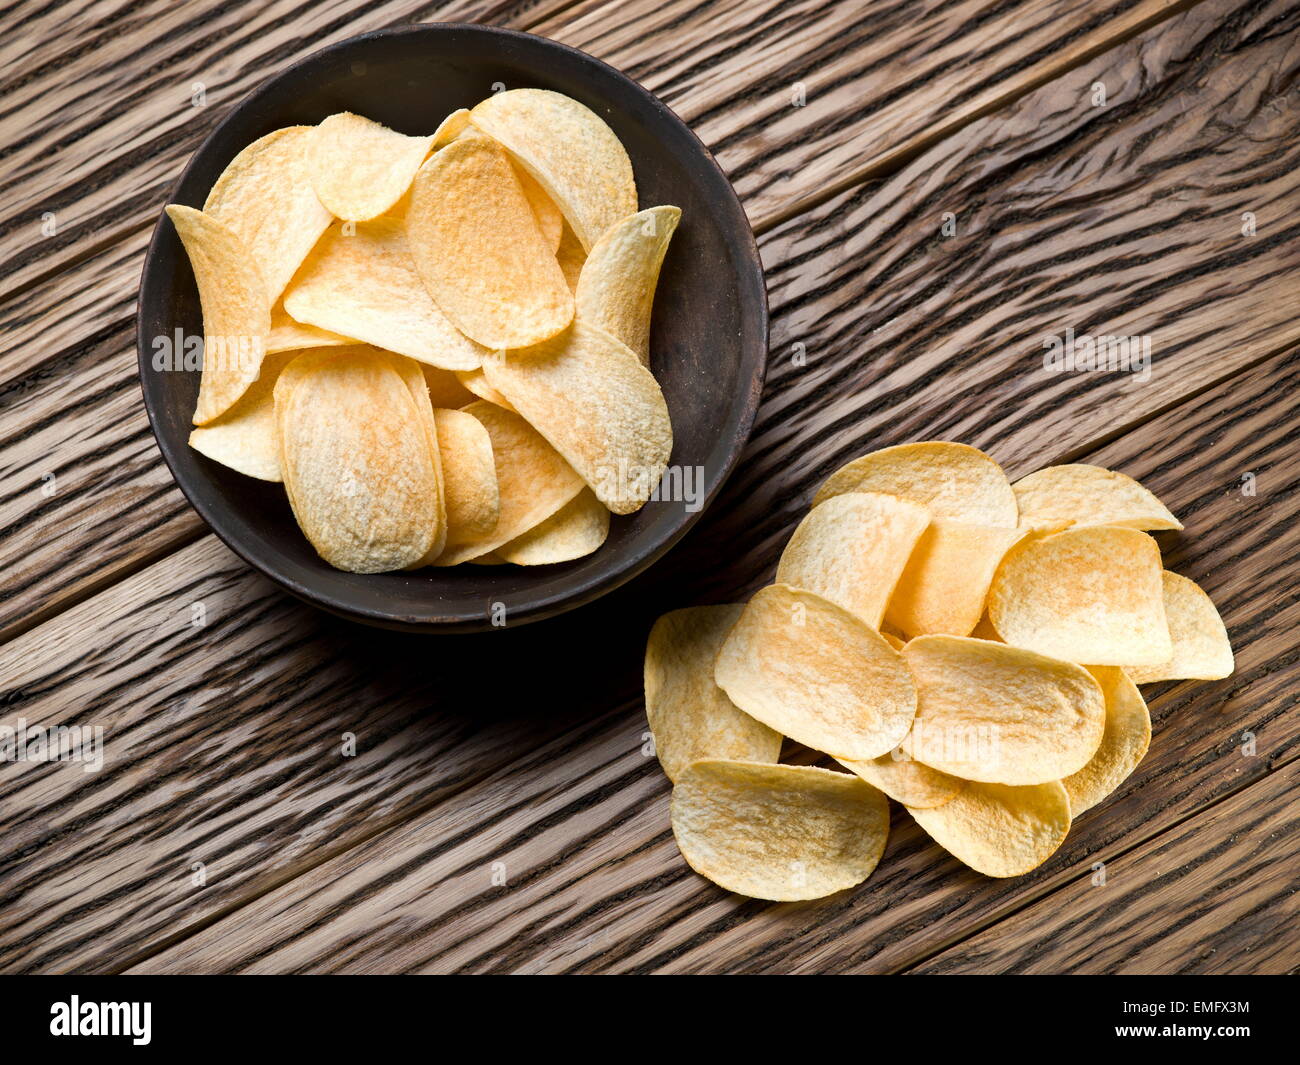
(527, 609)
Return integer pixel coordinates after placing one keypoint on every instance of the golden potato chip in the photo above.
(690, 716)
(571, 152)
(778, 832)
(571, 258)
(1089, 595)
(1000, 714)
(549, 219)
(597, 405)
(479, 251)
(956, 482)
(451, 127)
(852, 549)
(818, 674)
(896, 642)
(1201, 650)
(1123, 744)
(244, 437)
(476, 383)
(616, 287)
(360, 168)
(946, 581)
(1088, 495)
(364, 285)
(906, 780)
(578, 528)
(469, 476)
(413, 376)
(236, 313)
(265, 198)
(985, 630)
(998, 830)
(445, 388)
(289, 335)
(356, 461)
(533, 482)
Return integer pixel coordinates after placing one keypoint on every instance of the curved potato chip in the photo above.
(571, 258)
(597, 405)
(578, 528)
(1084, 495)
(896, 642)
(985, 630)
(244, 437)
(413, 376)
(451, 127)
(616, 287)
(818, 674)
(360, 168)
(356, 461)
(469, 476)
(1089, 595)
(289, 335)
(533, 482)
(1000, 714)
(690, 716)
(946, 581)
(1201, 650)
(445, 388)
(998, 830)
(364, 285)
(778, 832)
(852, 550)
(479, 251)
(265, 197)
(1123, 744)
(571, 152)
(236, 313)
(549, 219)
(906, 780)
(955, 481)
(476, 383)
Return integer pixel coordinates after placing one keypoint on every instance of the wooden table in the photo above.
(1128, 167)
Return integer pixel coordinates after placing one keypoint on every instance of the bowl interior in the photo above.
(708, 344)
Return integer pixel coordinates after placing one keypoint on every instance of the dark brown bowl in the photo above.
(708, 348)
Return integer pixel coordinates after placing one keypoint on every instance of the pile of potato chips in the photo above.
(968, 647)
(439, 344)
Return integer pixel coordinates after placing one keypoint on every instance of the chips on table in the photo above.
(1123, 744)
(360, 168)
(906, 780)
(1088, 495)
(1201, 650)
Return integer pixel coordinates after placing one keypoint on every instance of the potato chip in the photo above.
(413, 377)
(1123, 744)
(445, 388)
(956, 482)
(360, 168)
(289, 335)
(533, 481)
(1088, 495)
(946, 581)
(852, 550)
(490, 559)
(616, 287)
(1201, 650)
(896, 642)
(690, 716)
(571, 152)
(356, 461)
(571, 258)
(236, 312)
(364, 285)
(469, 476)
(549, 219)
(244, 437)
(265, 198)
(578, 528)
(985, 630)
(818, 674)
(1000, 714)
(778, 832)
(1089, 595)
(451, 127)
(998, 830)
(906, 780)
(479, 251)
(597, 405)
(476, 383)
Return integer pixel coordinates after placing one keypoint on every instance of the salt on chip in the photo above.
(1123, 744)
(577, 529)
(1090, 595)
(906, 780)
(244, 438)
(469, 476)
(265, 197)
(690, 716)
(236, 312)
(616, 287)
(356, 461)
(549, 219)
(778, 832)
(955, 482)
(1082, 495)
(290, 335)
(413, 376)
(360, 281)
(360, 168)
(587, 393)
(1201, 650)
(570, 150)
(998, 830)
(479, 251)
(852, 550)
(818, 674)
(945, 584)
(533, 482)
(1000, 714)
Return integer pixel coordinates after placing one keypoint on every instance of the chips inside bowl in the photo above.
(906, 780)
(244, 438)
(359, 168)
